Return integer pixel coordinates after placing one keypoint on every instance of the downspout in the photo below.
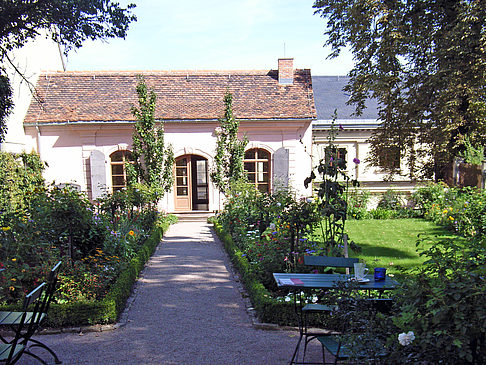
(38, 142)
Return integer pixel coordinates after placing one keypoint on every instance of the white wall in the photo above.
(42, 54)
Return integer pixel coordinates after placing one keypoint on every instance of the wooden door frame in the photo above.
(191, 166)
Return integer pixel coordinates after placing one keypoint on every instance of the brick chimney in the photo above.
(285, 71)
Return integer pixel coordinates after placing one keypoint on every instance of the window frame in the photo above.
(255, 160)
(126, 157)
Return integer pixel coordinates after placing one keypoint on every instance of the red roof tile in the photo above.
(181, 95)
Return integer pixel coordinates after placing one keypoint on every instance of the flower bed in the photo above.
(98, 244)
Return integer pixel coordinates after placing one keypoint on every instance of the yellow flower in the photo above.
(451, 218)
(14, 259)
(5, 229)
(445, 211)
(131, 233)
(13, 279)
(11, 288)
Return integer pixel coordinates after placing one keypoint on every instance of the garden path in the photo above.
(186, 310)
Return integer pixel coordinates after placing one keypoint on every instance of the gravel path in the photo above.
(186, 310)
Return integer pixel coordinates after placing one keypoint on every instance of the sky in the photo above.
(215, 35)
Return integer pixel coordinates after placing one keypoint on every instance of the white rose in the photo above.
(406, 339)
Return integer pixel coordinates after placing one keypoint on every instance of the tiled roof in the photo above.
(329, 96)
(181, 95)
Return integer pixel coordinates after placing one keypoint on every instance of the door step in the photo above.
(194, 216)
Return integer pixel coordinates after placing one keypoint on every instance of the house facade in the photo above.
(40, 54)
(352, 135)
(83, 128)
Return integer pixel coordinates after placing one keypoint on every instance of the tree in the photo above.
(69, 23)
(152, 165)
(230, 150)
(425, 63)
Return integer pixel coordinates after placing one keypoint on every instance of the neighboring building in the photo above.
(84, 128)
(353, 138)
(38, 55)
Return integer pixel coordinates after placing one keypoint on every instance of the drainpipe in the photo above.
(38, 141)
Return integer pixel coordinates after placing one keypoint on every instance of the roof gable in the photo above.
(181, 95)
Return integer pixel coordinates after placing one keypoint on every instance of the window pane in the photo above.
(128, 156)
(263, 155)
(250, 155)
(118, 181)
(181, 171)
(202, 193)
(201, 171)
(181, 162)
(117, 169)
(250, 166)
(182, 181)
(117, 156)
(182, 191)
(260, 171)
(263, 188)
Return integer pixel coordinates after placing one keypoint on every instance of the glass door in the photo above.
(200, 196)
(183, 184)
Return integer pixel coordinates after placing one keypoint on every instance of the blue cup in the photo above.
(380, 273)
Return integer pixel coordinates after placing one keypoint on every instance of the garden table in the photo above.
(299, 282)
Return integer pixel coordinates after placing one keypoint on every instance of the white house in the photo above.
(38, 55)
(353, 136)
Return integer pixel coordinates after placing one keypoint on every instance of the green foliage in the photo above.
(20, 177)
(68, 22)
(358, 204)
(151, 172)
(333, 194)
(6, 103)
(270, 230)
(442, 304)
(88, 310)
(421, 61)
(228, 161)
(472, 154)
(268, 309)
(463, 210)
(390, 200)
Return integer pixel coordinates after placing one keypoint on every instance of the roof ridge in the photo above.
(167, 72)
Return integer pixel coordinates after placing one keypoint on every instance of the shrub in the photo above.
(358, 204)
(442, 304)
(391, 200)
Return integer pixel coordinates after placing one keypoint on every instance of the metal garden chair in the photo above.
(12, 319)
(27, 321)
(313, 308)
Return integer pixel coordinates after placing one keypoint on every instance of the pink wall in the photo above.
(67, 148)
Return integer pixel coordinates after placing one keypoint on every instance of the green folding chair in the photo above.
(27, 321)
(12, 319)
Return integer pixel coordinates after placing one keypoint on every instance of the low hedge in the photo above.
(268, 309)
(108, 309)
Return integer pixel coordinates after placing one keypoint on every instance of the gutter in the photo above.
(121, 122)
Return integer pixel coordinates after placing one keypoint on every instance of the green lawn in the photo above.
(391, 243)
